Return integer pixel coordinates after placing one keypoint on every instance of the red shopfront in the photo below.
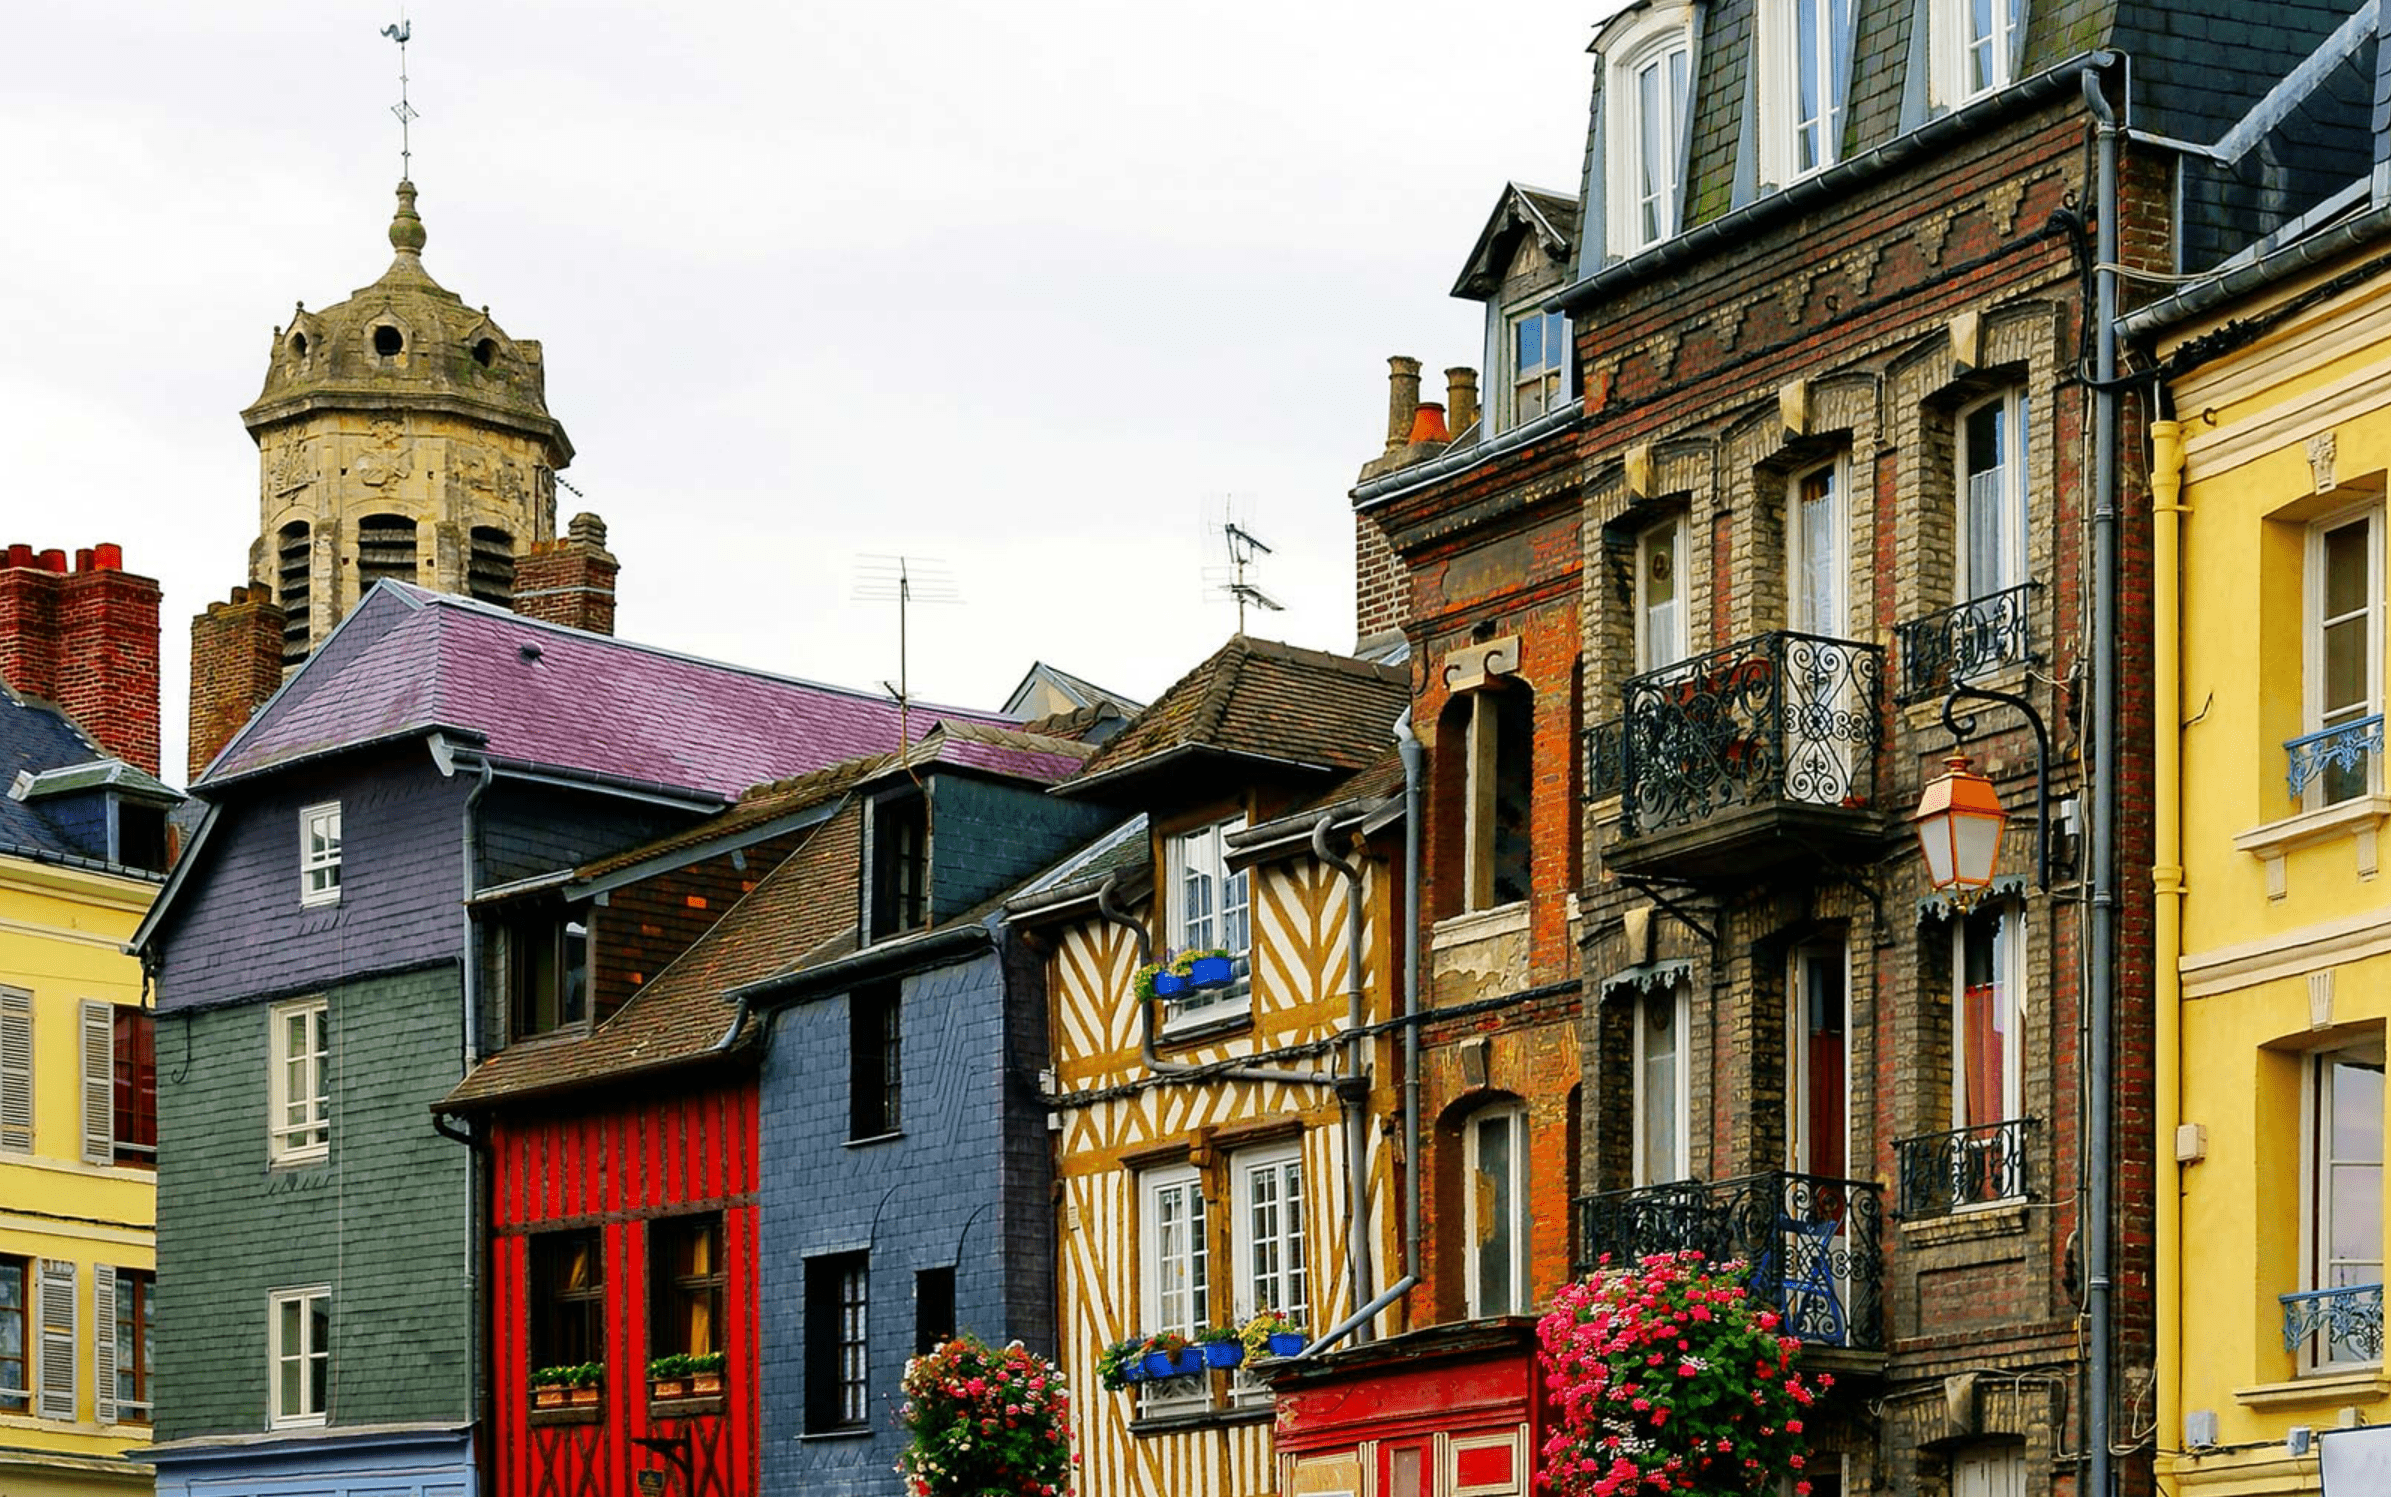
(1450, 1411)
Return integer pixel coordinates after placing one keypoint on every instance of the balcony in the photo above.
(1757, 753)
(1946, 1173)
(1978, 637)
(1814, 1244)
(2338, 756)
(2337, 1327)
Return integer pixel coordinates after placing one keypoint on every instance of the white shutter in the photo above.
(56, 1309)
(16, 1071)
(99, 1082)
(103, 1343)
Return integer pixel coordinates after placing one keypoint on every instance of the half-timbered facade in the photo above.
(1223, 1152)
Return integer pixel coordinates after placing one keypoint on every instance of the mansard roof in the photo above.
(410, 661)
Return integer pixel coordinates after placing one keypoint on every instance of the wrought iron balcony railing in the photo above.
(2339, 753)
(1959, 644)
(2347, 1322)
(1815, 1245)
(1946, 1172)
(1782, 718)
(1606, 759)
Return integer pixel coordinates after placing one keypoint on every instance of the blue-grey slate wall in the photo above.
(961, 1185)
(527, 830)
(991, 834)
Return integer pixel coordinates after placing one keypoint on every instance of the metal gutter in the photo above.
(139, 941)
(1150, 763)
(698, 852)
(902, 954)
(206, 786)
(1737, 227)
(2351, 233)
(1455, 460)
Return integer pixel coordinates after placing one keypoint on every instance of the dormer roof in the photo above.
(1551, 218)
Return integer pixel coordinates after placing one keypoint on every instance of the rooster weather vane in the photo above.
(404, 110)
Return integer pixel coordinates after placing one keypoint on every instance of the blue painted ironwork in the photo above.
(2344, 747)
(1980, 635)
(1780, 718)
(1815, 1245)
(1942, 1172)
(2350, 1319)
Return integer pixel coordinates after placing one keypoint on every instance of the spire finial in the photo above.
(406, 229)
(404, 110)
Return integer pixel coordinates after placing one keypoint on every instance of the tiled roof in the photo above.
(1081, 691)
(1262, 699)
(411, 660)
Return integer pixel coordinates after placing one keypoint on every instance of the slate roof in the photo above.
(41, 740)
(1553, 217)
(409, 660)
(1259, 699)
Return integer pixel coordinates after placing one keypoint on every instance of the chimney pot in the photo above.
(108, 556)
(53, 560)
(1461, 397)
(20, 556)
(1428, 423)
(82, 558)
(1402, 401)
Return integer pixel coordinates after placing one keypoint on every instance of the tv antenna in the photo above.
(904, 581)
(404, 110)
(1245, 550)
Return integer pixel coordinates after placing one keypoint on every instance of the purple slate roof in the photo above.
(411, 660)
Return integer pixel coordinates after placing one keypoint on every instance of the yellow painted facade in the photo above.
(1136, 1126)
(2282, 984)
(61, 935)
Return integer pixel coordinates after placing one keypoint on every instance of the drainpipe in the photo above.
(473, 1016)
(1113, 914)
(479, 1334)
(2100, 864)
(1353, 1088)
(2167, 510)
(1408, 746)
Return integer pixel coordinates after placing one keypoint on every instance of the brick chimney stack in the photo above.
(86, 640)
(1461, 398)
(1402, 400)
(570, 580)
(236, 663)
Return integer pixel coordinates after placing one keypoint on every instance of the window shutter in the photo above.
(99, 1082)
(57, 1311)
(16, 1071)
(103, 1343)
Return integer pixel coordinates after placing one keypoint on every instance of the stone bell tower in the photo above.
(401, 434)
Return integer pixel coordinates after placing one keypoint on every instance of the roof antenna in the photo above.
(1245, 549)
(404, 110)
(905, 581)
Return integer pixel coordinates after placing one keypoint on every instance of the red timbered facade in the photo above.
(626, 1232)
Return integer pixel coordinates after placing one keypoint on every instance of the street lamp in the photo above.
(1959, 821)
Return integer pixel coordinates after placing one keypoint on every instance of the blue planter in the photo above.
(1223, 1353)
(1191, 1361)
(1168, 984)
(1285, 1343)
(1211, 972)
(1134, 1371)
(1158, 1364)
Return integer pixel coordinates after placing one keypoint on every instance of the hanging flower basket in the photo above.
(983, 1420)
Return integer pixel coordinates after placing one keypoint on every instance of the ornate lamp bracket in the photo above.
(1962, 728)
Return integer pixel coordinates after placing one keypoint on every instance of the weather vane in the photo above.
(404, 110)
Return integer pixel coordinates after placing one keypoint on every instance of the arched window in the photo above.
(385, 548)
(1487, 790)
(490, 572)
(291, 588)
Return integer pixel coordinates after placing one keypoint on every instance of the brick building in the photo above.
(1784, 434)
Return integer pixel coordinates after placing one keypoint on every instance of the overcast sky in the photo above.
(1028, 288)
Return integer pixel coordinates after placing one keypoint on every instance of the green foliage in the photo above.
(687, 1365)
(576, 1375)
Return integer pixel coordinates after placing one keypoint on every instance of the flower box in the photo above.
(551, 1398)
(1190, 1362)
(1169, 984)
(1223, 1353)
(1285, 1343)
(1211, 972)
(668, 1387)
(1160, 1364)
(705, 1384)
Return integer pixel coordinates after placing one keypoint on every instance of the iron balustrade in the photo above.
(1606, 759)
(1781, 718)
(1815, 1245)
(2344, 747)
(1958, 644)
(2349, 1319)
(1945, 1172)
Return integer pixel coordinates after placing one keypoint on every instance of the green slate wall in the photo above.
(384, 1221)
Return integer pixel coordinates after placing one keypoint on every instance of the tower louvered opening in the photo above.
(385, 548)
(290, 589)
(490, 573)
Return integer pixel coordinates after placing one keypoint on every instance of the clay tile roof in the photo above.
(679, 1017)
(1259, 699)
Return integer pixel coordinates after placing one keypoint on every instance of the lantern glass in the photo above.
(1959, 821)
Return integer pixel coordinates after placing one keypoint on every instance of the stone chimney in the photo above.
(86, 640)
(569, 581)
(236, 664)
(1402, 400)
(1461, 398)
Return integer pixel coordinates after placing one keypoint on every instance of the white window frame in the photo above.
(2316, 1189)
(1477, 1198)
(280, 1127)
(1801, 606)
(1203, 851)
(1647, 42)
(1280, 1168)
(1648, 651)
(279, 1356)
(1157, 1188)
(2312, 641)
(1551, 376)
(319, 853)
(1680, 1166)
(2009, 977)
(2014, 498)
(1989, 1471)
(1953, 42)
(1785, 26)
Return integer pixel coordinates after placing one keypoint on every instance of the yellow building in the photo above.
(82, 843)
(2274, 919)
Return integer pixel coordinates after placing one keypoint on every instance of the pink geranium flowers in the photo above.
(985, 1420)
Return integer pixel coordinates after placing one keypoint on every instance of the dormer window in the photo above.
(1646, 93)
(139, 833)
(1805, 56)
(897, 887)
(1207, 909)
(547, 973)
(1539, 353)
(1975, 46)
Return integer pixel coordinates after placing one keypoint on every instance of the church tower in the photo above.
(401, 434)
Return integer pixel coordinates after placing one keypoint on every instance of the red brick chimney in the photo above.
(236, 663)
(86, 640)
(570, 580)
